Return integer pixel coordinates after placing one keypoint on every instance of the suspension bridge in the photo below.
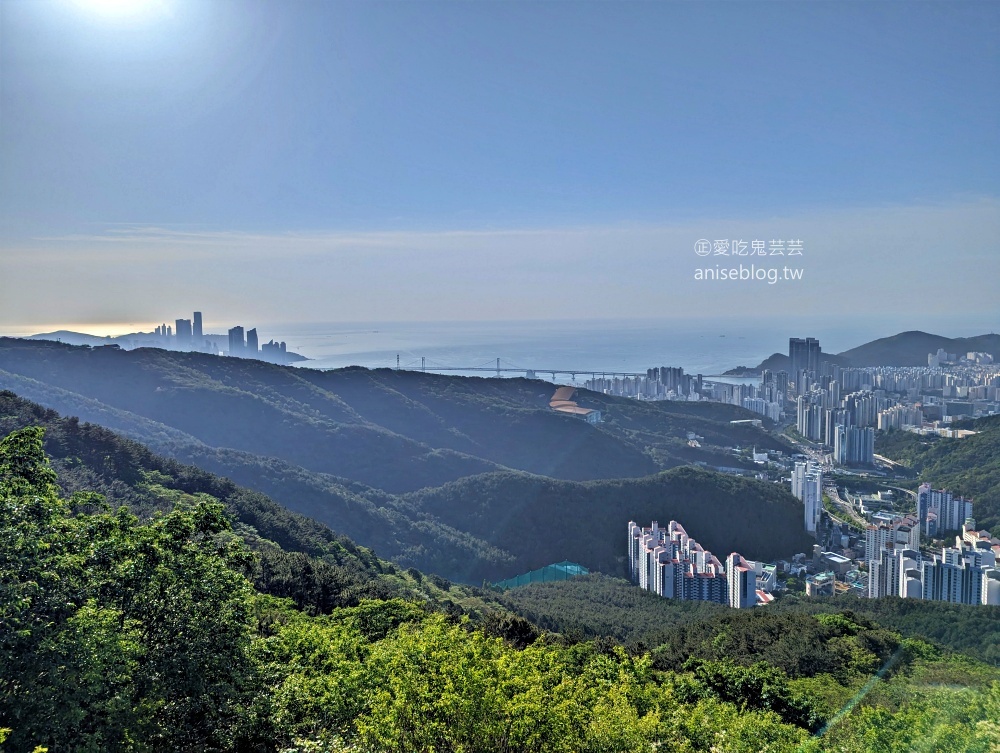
(500, 367)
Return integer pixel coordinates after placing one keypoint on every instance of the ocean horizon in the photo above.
(706, 345)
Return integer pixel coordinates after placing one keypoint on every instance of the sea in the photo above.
(584, 345)
(705, 345)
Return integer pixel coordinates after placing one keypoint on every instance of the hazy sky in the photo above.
(312, 161)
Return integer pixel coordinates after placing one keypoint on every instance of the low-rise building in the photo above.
(820, 584)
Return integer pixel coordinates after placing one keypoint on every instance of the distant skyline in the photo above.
(321, 161)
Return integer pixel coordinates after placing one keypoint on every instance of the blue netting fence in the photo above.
(560, 571)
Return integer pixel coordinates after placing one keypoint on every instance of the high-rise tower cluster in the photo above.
(670, 563)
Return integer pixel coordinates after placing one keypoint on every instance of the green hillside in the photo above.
(393, 430)
(299, 557)
(599, 606)
(465, 531)
(124, 635)
(911, 348)
(87, 456)
(904, 349)
(537, 519)
(352, 448)
(969, 467)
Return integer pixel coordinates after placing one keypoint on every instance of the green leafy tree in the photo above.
(115, 635)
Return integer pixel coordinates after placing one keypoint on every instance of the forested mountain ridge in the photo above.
(119, 635)
(596, 606)
(911, 348)
(352, 448)
(532, 517)
(394, 430)
(311, 558)
(474, 529)
(242, 405)
(903, 349)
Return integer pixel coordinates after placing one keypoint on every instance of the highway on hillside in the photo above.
(845, 507)
(892, 464)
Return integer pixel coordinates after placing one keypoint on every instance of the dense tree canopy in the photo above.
(115, 631)
(123, 635)
(485, 527)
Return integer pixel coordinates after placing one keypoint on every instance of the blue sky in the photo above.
(613, 134)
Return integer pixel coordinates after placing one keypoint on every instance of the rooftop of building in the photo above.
(834, 557)
(820, 578)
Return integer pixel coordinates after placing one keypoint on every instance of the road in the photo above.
(823, 460)
(892, 464)
(845, 507)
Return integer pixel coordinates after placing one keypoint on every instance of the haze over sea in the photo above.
(701, 345)
(707, 345)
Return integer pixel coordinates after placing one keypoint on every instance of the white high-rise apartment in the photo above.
(670, 563)
(902, 533)
(742, 582)
(940, 510)
(807, 486)
(962, 574)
